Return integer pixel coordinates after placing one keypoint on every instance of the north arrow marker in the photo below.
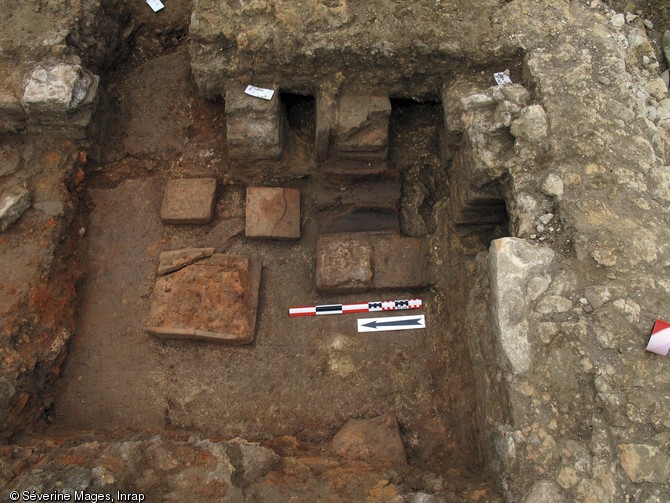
(391, 323)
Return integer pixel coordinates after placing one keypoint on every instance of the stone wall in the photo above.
(305, 45)
(576, 410)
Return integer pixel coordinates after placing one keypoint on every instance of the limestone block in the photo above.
(343, 264)
(362, 128)
(60, 94)
(13, 204)
(361, 261)
(273, 212)
(255, 127)
(188, 201)
(514, 262)
(471, 205)
(531, 126)
(374, 440)
(516, 94)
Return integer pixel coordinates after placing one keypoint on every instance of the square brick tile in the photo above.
(188, 201)
(273, 212)
(214, 299)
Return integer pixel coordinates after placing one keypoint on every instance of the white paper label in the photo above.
(155, 5)
(502, 78)
(260, 92)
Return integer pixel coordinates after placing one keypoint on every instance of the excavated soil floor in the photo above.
(302, 376)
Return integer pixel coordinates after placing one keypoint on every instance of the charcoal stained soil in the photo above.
(301, 376)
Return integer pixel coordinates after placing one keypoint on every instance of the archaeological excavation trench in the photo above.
(299, 376)
(165, 219)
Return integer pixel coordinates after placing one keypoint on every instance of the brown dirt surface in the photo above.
(302, 377)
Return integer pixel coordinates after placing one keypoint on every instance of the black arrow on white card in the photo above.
(391, 323)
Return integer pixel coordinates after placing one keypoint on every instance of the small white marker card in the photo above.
(391, 323)
(260, 92)
(155, 5)
(502, 78)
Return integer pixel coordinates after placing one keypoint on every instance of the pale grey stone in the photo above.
(658, 182)
(101, 477)
(531, 125)
(604, 257)
(537, 286)
(517, 94)
(255, 128)
(423, 498)
(514, 262)
(13, 203)
(618, 20)
(553, 304)
(546, 218)
(545, 491)
(476, 101)
(58, 88)
(597, 295)
(251, 460)
(644, 463)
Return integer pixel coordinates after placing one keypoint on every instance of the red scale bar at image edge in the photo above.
(363, 307)
(659, 340)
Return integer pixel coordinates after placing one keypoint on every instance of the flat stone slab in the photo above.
(273, 213)
(174, 260)
(188, 201)
(213, 299)
(255, 126)
(355, 262)
(343, 265)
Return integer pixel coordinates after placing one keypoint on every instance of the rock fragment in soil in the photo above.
(251, 460)
(13, 204)
(375, 441)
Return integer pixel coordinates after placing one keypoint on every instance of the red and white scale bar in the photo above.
(363, 307)
(659, 341)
